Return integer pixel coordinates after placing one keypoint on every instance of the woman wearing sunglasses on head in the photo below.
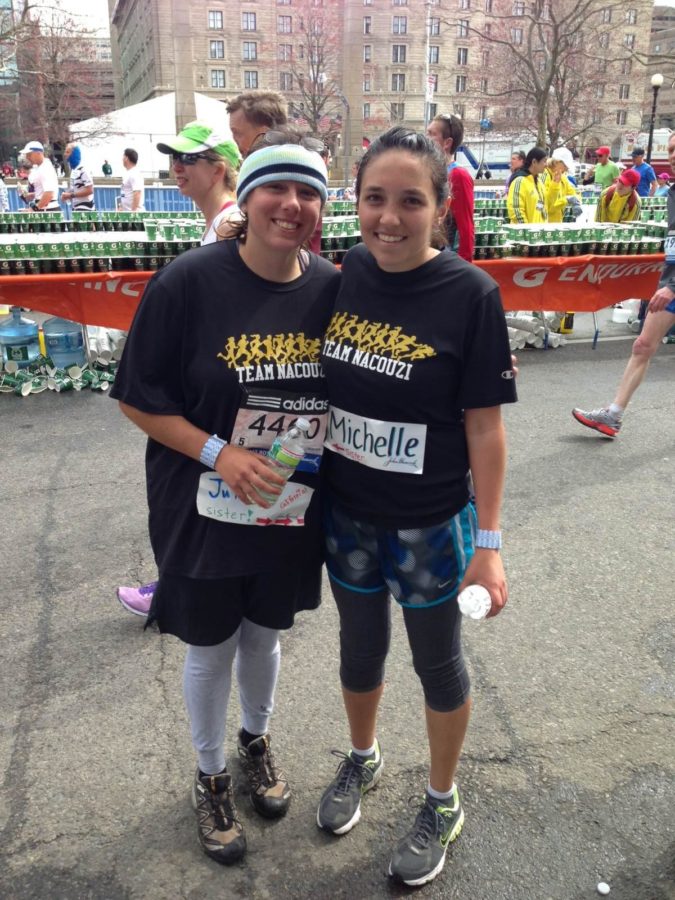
(205, 168)
(417, 365)
(222, 354)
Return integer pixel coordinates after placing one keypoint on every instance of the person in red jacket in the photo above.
(448, 132)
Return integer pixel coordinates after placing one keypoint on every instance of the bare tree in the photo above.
(552, 56)
(315, 90)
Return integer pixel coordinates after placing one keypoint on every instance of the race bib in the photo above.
(264, 415)
(390, 446)
(669, 248)
(216, 501)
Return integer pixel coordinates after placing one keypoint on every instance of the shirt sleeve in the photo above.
(462, 211)
(487, 373)
(149, 375)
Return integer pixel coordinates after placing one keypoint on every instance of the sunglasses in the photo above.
(272, 138)
(188, 159)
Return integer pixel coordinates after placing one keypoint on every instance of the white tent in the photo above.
(141, 126)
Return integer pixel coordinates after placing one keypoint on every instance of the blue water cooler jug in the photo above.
(64, 341)
(18, 338)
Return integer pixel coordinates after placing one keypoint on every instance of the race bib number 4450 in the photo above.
(390, 446)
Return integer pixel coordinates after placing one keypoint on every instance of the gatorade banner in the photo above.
(573, 284)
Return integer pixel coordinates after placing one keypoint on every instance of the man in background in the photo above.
(252, 114)
(605, 172)
(133, 186)
(43, 195)
(648, 183)
(447, 132)
(516, 166)
(81, 192)
(106, 168)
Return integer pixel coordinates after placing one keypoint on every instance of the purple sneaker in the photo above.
(137, 599)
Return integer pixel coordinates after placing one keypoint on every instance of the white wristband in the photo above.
(489, 540)
(210, 451)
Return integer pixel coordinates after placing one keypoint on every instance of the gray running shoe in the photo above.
(601, 420)
(220, 831)
(340, 806)
(420, 855)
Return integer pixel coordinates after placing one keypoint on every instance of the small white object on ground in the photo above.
(603, 887)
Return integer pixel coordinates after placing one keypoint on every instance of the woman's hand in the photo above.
(247, 473)
(486, 568)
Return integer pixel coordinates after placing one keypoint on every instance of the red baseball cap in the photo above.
(602, 151)
(630, 178)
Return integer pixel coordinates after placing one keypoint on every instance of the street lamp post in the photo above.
(657, 81)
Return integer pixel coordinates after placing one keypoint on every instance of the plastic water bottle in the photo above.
(475, 601)
(65, 342)
(286, 453)
(18, 338)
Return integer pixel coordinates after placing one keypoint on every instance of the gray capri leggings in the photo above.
(434, 635)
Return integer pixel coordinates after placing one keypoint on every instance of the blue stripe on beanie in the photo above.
(283, 162)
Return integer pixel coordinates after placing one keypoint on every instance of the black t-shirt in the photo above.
(207, 332)
(404, 355)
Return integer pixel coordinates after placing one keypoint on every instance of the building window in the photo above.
(400, 25)
(621, 117)
(626, 66)
(624, 91)
(367, 24)
(249, 50)
(434, 27)
(434, 82)
(629, 41)
(483, 112)
(463, 56)
(606, 15)
(483, 86)
(631, 16)
(516, 35)
(597, 116)
(366, 84)
(433, 110)
(488, 6)
(603, 40)
(285, 52)
(217, 78)
(599, 90)
(283, 2)
(485, 58)
(434, 53)
(459, 109)
(398, 112)
(460, 84)
(398, 52)
(398, 82)
(465, 4)
(366, 110)
(250, 80)
(367, 2)
(400, 2)
(216, 19)
(248, 22)
(285, 81)
(284, 24)
(487, 29)
(519, 8)
(367, 52)
(463, 28)
(216, 49)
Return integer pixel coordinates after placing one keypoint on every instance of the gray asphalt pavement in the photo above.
(568, 772)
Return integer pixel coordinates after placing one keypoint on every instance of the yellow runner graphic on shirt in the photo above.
(376, 337)
(273, 356)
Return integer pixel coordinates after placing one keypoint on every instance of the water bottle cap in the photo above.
(303, 423)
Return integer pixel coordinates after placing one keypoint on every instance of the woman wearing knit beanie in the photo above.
(222, 354)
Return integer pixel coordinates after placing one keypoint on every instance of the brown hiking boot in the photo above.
(220, 832)
(270, 793)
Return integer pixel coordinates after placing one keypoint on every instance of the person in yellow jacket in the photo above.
(620, 202)
(525, 201)
(559, 192)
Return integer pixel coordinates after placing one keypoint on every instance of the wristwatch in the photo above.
(489, 540)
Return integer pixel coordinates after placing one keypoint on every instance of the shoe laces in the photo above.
(148, 588)
(428, 823)
(349, 771)
(260, 768)
(221, 807)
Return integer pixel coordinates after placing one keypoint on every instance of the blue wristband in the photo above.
(489, 540)
(210, 451)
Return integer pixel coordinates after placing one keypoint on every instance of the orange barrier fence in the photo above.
(573, 284)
